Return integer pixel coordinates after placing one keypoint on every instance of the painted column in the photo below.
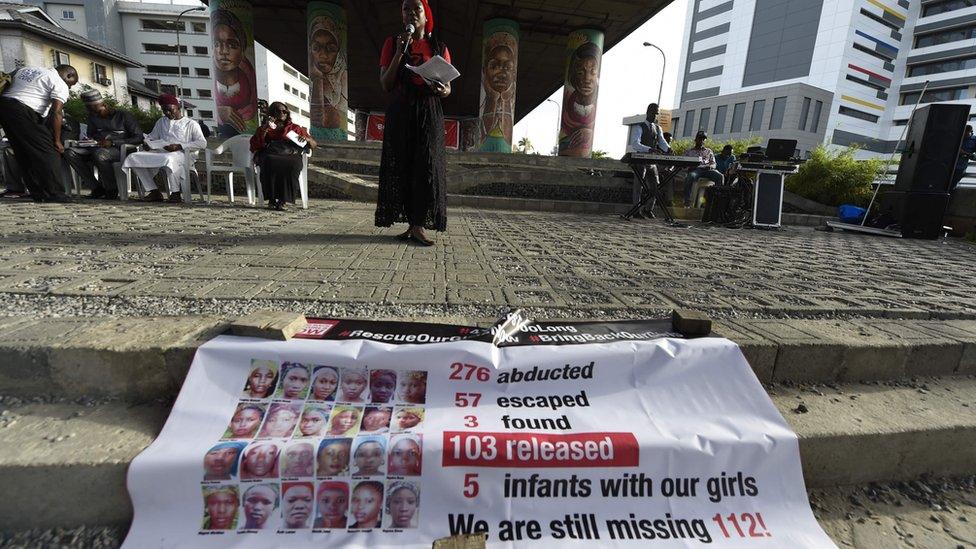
(235, 82)
(498, 76)
(582, 85)
(328, 71)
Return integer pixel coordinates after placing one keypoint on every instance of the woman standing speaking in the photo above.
(413, 186)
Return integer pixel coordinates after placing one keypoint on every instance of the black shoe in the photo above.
(97, 193)
(153, 196)
(403, 237)
(175, 198)
(14, 195)
(279, 206)
(114, 195)
(61, 198)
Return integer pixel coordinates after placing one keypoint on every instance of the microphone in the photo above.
(410, 30)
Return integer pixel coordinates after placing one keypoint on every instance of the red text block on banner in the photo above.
(532, 450)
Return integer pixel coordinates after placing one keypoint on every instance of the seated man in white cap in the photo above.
(109, 128)
(173, 134)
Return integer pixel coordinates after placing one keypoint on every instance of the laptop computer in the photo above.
(780, 149)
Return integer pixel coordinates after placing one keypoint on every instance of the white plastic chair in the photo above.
(123, 178)
(189, 165)
(242, 161)
(69, 178)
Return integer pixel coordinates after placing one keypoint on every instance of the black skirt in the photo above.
(413, 176)
(279, 175)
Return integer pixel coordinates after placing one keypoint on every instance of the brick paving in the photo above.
(559, 264)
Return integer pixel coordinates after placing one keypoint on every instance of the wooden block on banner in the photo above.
(463, 541)
(690, 323)
(276, 325)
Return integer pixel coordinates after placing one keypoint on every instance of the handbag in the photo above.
(282, 147)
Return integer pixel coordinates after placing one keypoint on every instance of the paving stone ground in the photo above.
(113, 258)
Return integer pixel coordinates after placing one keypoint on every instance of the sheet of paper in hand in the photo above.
(383, 435)
(297, 139)
(436, 69)
(156, 144)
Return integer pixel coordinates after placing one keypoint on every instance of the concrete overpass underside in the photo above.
(545, 24)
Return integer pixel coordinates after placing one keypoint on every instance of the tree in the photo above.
(524, 146)
(598, 154)
(75, 108)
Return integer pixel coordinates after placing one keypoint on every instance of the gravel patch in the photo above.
(82, 537)
(60, 306)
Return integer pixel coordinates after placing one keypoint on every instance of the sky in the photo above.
(629, 80)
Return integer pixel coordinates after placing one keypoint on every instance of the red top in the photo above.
(420, 52)
(262, 136)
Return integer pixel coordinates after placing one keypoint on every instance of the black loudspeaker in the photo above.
(932, 148)
(721, 204)
(919, 214)
(767, 206)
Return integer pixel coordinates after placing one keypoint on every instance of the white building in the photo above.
(147, 32)
(822, 71)
(30, 37)
(279, 81)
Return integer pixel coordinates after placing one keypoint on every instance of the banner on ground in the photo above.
(372, 434)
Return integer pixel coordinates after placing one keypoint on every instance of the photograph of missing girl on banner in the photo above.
(600, 435)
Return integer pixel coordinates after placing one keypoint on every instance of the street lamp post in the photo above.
(179, 49)
(664, 67)
(559, 115)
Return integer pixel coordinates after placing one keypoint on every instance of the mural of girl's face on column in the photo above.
(500, 70)
(328, 72)
(325, 50)
(498, 83)
(235, 81)
(228, 50)
(585, 73)
(580, 94)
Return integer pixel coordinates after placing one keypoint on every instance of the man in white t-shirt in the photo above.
(31, 114)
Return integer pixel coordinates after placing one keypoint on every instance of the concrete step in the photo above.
(326, 183)
(63, 454)
(132, 359)
(854, 433)
(140, 359)
(71, 459)
(372, 151)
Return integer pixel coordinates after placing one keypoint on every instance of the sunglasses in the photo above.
(279, 111)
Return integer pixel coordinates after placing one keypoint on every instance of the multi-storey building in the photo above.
(30, 37)
(147, 32)
(822, 71)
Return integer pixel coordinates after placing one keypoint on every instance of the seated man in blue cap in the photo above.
(108, 128)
